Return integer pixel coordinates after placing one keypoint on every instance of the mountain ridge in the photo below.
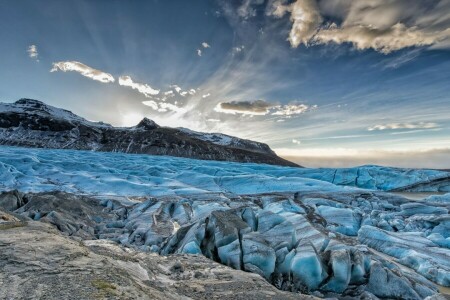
(32, 123)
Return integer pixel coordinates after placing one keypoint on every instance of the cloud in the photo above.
(206, 95)
(237, 49)
(142, 88)
(204, 45)
(397, 37)
(177, 88)
(261, 107)
(33, 52)
(258, 107)
(84, 70)
(402, 59)
(382, 25)
(305, 21)
(246, 9)
(163, 106)
(181, 92)
(394, 126)
(291, 109)
(151, 103)
(305, 18)
(295, 141)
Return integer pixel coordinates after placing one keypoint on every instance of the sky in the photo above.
(322, 82)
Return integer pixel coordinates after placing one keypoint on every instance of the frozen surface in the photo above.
(301, 229)
(383, 178)
(124, 174)
(443, 199)
(35, 170)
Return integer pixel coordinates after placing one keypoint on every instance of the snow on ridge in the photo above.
(225, 140)
(216, 138)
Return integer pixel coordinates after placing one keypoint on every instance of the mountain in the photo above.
(32, 123)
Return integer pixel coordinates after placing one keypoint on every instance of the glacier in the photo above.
(35, 170)
(326, 232)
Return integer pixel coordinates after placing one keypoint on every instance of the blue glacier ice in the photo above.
(35, 170)
(304, 230)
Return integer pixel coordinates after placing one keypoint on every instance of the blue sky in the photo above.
(323, 82)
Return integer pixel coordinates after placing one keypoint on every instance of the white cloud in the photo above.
(382, 25)
(84, 70)
(295, 141)
(246, 9)
(261, 107)
(142, 88)
(305, 18)
(204, 45)
(181, 92)
(394, 126)
(291, 109)
(397, 37)
(176, 88)
(163, 106)
(151, 104)
(305, 21)
(206, 95)
(238, 49)
(33, 52)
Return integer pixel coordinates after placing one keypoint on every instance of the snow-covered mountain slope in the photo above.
(227, 140)
(122, 174)
(38, 108)
(32, 123)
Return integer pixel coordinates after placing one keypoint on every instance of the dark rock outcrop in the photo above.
(38, 262)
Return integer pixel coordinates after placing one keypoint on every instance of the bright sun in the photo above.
(131, 119)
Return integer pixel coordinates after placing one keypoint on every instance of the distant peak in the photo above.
(30, 102)
(148, 124)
